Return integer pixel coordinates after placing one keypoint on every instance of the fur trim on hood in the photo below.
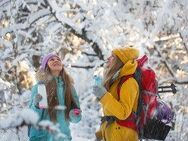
(43, 76)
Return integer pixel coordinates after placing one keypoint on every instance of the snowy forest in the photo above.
(83, 33)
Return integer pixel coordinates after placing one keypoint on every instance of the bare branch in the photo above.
(83, 67)
(173, 80)
(164, 61)
(181, 82)
(88, 54)
(186, 48)
(4, 2)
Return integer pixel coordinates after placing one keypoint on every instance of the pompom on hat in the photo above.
(126, 53)
(45, 60)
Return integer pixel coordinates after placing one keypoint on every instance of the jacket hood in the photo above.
(128, 56)
(43, 76)
(128, 68)
(126, 53)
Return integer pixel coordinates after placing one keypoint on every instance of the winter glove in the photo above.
(37, 99)
(76, 112)
(99, 91)
(75, 115)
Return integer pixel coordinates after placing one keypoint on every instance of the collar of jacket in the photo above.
(58, 79)
(128, 68)
(43, 77)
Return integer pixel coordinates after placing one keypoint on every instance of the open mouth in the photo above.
(57, 64)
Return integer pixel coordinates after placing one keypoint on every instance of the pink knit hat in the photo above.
(45, 60)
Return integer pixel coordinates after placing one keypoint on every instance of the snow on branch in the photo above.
(164, 60)
(36, 16)
(81, 35)
(2, 3)
(28, 117)
(25, 117)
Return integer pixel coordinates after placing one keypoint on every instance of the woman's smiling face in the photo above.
(55, 64)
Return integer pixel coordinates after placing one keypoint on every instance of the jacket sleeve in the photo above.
(122, 108)
(32, 106)
(75, 118)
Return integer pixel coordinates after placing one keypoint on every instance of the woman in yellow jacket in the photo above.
(120, 64)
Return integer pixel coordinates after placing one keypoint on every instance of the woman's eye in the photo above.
(55, 59)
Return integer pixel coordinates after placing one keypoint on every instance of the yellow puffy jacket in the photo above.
(121, 109)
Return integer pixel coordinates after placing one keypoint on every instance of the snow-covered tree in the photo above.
(84, 32)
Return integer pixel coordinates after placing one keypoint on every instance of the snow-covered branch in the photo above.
(82, 35)
(28, 117)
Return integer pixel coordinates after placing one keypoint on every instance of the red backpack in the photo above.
(144, 121)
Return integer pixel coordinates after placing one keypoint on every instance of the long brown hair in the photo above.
(52, 94)
(109, 72)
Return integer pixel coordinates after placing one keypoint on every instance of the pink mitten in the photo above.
(76, 111)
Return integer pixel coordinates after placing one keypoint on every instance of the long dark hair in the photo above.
(52, 94)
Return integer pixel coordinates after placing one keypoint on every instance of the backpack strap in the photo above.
(130, 122)
(122, 80)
